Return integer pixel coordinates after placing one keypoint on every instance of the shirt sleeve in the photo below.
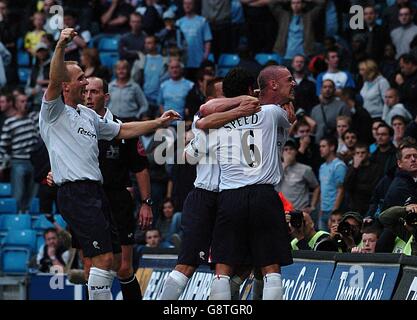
(51, 110)
(106, 130)
(141, 101)
(207, 36)
(339, 174)
(310, 178)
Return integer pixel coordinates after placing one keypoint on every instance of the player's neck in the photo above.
(331, 158)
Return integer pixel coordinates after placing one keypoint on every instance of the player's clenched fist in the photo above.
(66, 36)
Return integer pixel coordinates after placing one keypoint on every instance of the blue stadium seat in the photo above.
(60, 220)
(109, 44)
(42, 223)
(15, 260)
(8, 205)
(24, 74)
(19, 43)
(15, 222)
(221, 72)
(40, 240)
(34, 207)
(264, 58)
(211, 57)
(23, 59)
(228, 60)
(5, 190)
(109, 59)
(25, 239)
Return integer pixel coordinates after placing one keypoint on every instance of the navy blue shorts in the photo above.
(197, 222)
(251, 228)
(85, 208)
(122, 207)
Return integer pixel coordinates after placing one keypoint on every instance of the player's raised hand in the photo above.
(289, 107)
(169, 116)
(66, 36)
(248, 106)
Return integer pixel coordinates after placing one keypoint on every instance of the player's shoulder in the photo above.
(87, 110)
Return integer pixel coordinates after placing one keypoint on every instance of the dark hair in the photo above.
(207, 63)
(349, 131)
(408, 58)
(71, 13)
(361, 145)
(337, 211)
(153, 229)
(331, 141)
(398, 117)
(349, 93)
(237, 82)
(332, 49)
(385, 125)
(407, 142)
(50, 230)
(210, 89)
(136, 14)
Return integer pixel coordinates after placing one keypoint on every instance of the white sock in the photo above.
(99, 282)
(235, 284)
(174, 286)
(257, 289)
(272, 287)
(220, 288)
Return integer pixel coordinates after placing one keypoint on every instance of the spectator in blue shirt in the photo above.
(332, 175)
(133, 42)
(198, 36)
(174, 91)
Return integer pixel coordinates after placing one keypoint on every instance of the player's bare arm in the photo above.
(58, 72)
(222, 104)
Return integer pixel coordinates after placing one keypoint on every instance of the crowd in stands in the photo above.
(350, 165)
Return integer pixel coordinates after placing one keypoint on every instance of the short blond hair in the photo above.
(371, 69)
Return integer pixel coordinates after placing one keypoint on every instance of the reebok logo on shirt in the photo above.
(86, 133)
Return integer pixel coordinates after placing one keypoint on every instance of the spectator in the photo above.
(305, 91)
(173, 92)
(153, 238)
(393, 107)
(90, 61)
(390, 15)
(333, 222)
(332, 175)
(403, 189)
(305, 235)
(343, 124)
(169, 223)
(403, 35)
(341, 79)
(361, 120)
(398, 124)
(170, 37)
(115, 17)
(132, 43)
(8, 36)
(328, 110)
(349, 138)
(407, 82)
(298, 179)
(79, 42)
(52, 253)
(18, 138)
(127, 102)
(39, 77)
(370, 236)
(374, 88)
(219, 15)
(376, 36)
(385, 153)
(150, 71)
(247, 61)
(389, 64)
(32, 38)
(308, 151)
(197, 95)
(7, 108)
(152, 20)
(5, 59)
(358, 44)
(296, 27)
(361, 179)
(198, 36)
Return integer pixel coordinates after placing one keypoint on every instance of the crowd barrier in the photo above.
(313, 276)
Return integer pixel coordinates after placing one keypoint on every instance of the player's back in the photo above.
(248, 149)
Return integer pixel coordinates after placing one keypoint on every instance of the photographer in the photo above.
(302, 229)
(344, 235)
(400, 230)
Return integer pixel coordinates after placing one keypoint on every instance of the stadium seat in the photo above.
(108, 44)
(109, 59)
(24, 74)
(34, 208)
(60, 220)
(40, 240)
(42, 223)
(19, 43)
(8, 205)
(5, 190)
(20, 239)
(221, 72)
(15, 260)
(264, 58)
(228, 60)
(15, 222)
(211, 58)
(23, 59)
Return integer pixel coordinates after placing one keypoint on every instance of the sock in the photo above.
(174, 286)
(257, 289)
(220, 288)
(272, 287)
(99, 282)
(235, 284)
(130, 288)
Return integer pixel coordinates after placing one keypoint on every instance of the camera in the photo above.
(297, 219)
(411, 219)
(345, 229)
